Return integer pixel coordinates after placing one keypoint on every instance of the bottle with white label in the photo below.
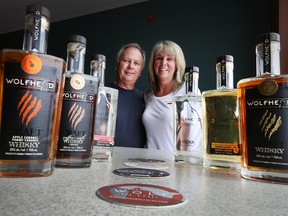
(105, 124)
(79, 101)
(188, 121)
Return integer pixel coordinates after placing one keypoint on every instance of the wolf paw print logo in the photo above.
(76, 114)
(269, 124)
(28, 107)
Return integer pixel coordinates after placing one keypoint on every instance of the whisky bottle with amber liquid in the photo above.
(263, 105)
(31, 83)
(222, 148)
(79, 101)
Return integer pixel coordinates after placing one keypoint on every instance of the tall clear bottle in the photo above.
(222, 148)
(31, 84)
(188, 121)
(105, 124)
(79, 101)
(263, 103)
(105, 115)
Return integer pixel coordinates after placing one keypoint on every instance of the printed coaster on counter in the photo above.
(146, 163)
(143, 195)
(140, 172)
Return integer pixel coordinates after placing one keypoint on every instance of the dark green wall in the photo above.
(204, 29)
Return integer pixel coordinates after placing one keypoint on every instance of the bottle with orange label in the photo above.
(31, 83)
(79, 101)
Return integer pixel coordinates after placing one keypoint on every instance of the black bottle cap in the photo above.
(37, 7)
(77, 38)
(99, 57)
(272, 36)
(227, 58)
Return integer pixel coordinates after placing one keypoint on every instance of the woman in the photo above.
(166, 68)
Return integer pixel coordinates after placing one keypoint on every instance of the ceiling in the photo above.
(12, 13)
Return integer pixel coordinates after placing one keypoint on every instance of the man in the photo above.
(130, 131)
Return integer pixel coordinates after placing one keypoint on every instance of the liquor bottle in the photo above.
(188, 121)
(263, 115)
(31, 84)
(106, 113)
(220, 120)
(98, 66)
(79, 101)
(105, 124)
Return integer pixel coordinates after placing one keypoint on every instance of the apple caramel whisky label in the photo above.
(266, 127)
(77, 115)
(30, 74)
(28, 104)
(223, 129)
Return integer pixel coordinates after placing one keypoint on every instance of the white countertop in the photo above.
(208, 192)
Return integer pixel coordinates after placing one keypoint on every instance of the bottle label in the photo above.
(223, 129)
(266, 131)
(223, 78)
(189, 126)
(37, 22)
(75, 134)
(105, 118)
(107, 141)
(29, 90)
(267, 55)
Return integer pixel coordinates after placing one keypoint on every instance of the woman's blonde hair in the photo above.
(177, 54)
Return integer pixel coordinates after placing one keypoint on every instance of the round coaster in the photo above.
(140, 173)
(146, 163)
(146, 160)
(143, 195)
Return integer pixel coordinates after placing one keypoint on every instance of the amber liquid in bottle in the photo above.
(79, 101)
(30, 85)
(263, 103)
(20, 152)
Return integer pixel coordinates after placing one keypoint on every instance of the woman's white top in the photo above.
(158, 121)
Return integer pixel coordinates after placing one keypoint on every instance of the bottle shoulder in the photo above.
(220, 92)
(25, 52)
(258, 79)
(189, 97)
(69, 74)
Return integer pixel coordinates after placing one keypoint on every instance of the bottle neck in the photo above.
(76, 57)
(224, 75)
(268, 58)
(191, 82)
(97, 67)
(36, 31)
